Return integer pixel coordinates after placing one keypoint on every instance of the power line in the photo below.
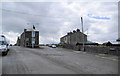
(18, 12)
(25, 13)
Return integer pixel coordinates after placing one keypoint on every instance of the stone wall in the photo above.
(112, 50)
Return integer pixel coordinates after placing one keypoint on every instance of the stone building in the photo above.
(29, 38)
(18, 42)
(118, 24)
(73, 38)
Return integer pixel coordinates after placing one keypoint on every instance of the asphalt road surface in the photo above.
(0, 64)
(47, 60)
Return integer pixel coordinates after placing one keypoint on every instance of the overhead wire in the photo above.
(37, 15)
(7, 10)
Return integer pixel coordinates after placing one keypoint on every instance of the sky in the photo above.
(53, 20)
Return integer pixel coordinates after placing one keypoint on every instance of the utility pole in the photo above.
(83, 34)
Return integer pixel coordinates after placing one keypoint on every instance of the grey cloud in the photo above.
(13, 24)
(49, 18)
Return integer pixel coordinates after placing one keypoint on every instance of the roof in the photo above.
(2, 35)
(118, 39)
(87, 43)
(31, 30)
(70, 33)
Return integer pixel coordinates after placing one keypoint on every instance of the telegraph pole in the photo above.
(83, 34)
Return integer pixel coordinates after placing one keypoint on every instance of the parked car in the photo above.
(50, 45)
(53, 46)
(4, 45)
(10, 44)
(112, 49)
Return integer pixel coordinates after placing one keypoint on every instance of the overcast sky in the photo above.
(55, 19)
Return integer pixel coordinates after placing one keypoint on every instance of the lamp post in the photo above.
(83, 34)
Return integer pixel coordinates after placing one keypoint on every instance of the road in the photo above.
(0, 65)
(47, 60)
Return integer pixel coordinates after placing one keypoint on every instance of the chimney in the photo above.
(68, 33)
(78, 30)
(74, 31)
(25, 30)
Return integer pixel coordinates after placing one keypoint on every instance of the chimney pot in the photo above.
(74, 31)
(78, 30)
(25, 30)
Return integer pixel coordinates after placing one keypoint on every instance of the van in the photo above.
(4, 45)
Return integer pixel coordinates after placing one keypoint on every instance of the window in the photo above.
(33, 40)
(3, 42)
(33, 33)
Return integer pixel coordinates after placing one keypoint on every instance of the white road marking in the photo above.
(107, 58)
(77, 51)
(110, 58)
(97, 56)
(101, 54)
(84, 52)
